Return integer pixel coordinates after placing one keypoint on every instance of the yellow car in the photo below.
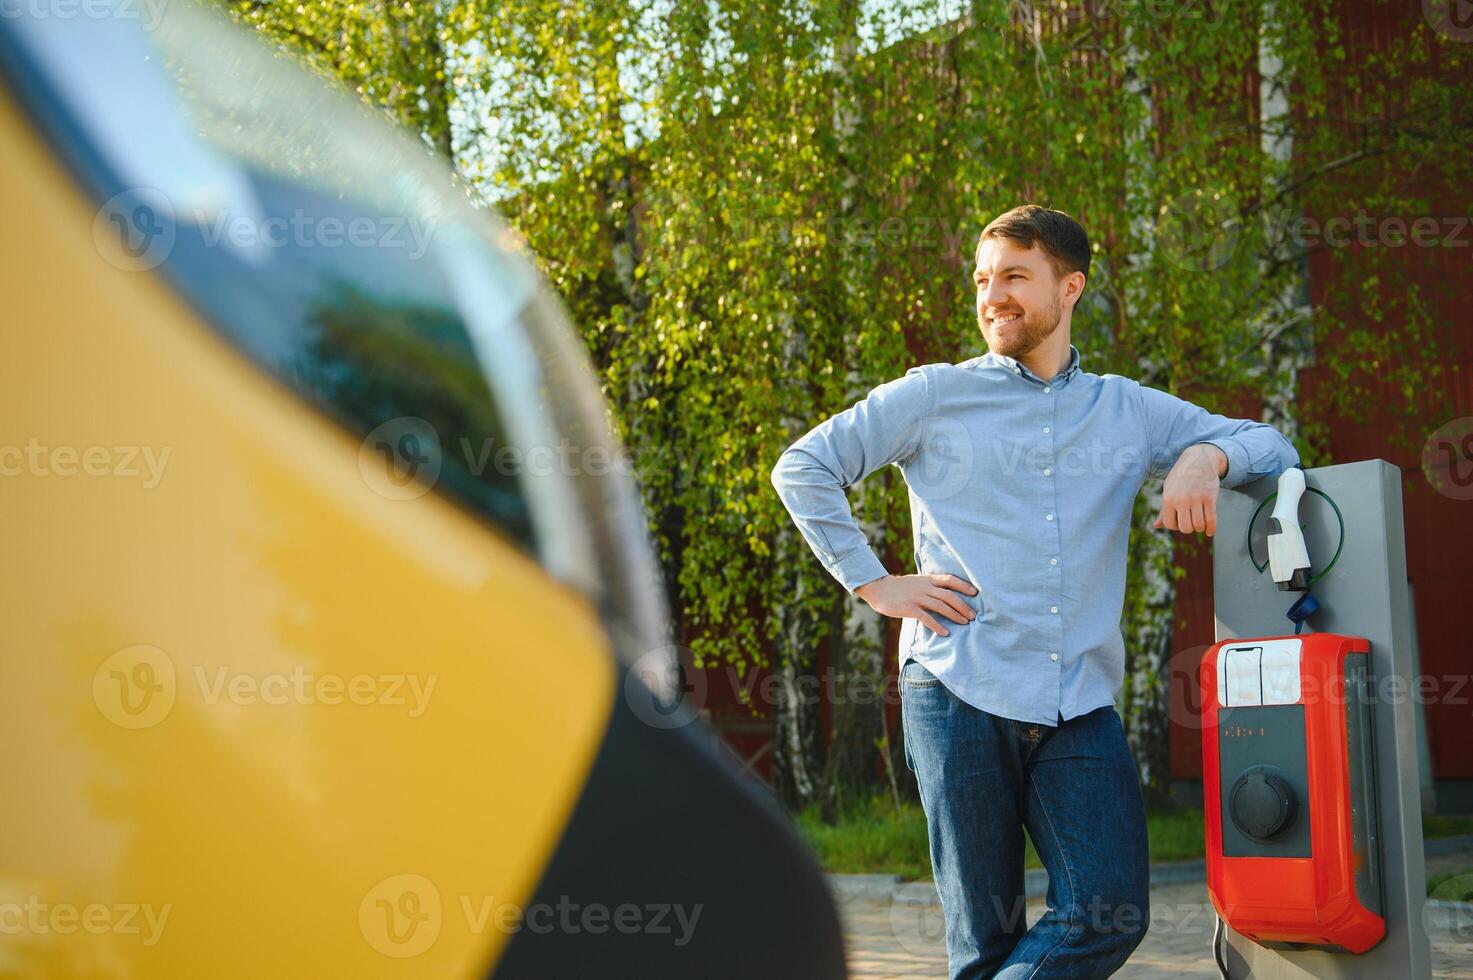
(333, 643)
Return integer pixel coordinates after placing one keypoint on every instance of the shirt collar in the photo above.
(1017, 367)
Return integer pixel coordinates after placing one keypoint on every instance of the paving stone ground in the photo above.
(900, 939)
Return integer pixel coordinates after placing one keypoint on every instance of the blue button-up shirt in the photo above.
(1023, 487)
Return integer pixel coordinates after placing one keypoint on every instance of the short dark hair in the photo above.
(1062, 238)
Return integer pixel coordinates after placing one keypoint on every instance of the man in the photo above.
(1022, 469)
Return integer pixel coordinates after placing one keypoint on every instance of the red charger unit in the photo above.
(1288, 786)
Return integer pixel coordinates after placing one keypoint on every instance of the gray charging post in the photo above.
(1364, 594)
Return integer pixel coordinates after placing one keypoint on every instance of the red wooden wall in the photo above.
(1439, 529)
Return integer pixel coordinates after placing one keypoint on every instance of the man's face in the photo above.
(1018, 296)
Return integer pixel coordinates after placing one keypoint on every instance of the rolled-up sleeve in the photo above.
(1253, 449)
(811, 476)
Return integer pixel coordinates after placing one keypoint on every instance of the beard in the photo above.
(1021, 336)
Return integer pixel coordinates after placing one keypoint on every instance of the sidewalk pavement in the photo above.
(899, 932)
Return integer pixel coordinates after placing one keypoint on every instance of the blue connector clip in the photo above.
(1304, 607)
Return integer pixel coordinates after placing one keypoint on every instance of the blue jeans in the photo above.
(983, 779)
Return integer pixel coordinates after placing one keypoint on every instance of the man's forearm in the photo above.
(1175, 427)
(1213, 456)
(1258, 450)
(812, 474)
(1189, 495)
(864, 591)
(814, 497)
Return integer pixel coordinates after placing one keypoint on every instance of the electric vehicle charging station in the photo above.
(1369, 875)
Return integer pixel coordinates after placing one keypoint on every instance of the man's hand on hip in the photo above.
(917, 596)
(1189, 496)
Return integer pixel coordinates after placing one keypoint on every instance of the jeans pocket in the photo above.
(914, 674)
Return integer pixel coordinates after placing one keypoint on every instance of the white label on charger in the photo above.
(1263, 672)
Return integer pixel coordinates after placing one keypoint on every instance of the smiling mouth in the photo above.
(1005, 318)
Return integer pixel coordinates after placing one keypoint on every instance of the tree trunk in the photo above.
(1147, 620)
(1286, 326)
(1144, 707)
(857, 709)
(856, 667)
(797, 764)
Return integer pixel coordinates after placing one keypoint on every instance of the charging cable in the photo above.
(1217, 953)
(1306, 605)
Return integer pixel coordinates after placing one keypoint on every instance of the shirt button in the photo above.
(1046, 430)
(1046, 390)
(1048, 472)
(1048, 517)
(1053, 561)
(1053, 609)
(1053, 656)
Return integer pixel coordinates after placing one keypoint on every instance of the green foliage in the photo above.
(392, 54)
(873, 837)
(1446, 825)
(757, 210)
(1451, 886)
